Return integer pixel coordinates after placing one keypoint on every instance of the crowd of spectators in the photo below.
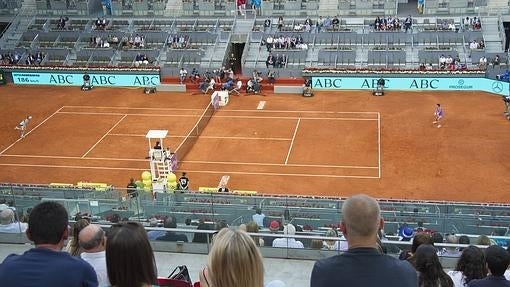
(473, 23)
(450, 63)
(141, 59)
(276, 61)
(138, 41)
(284, 42)
(64, 23)
(124, 256)
(99, 42)
(101, 23)
(389, 23)
(475, 45)
(34, 59)
(179, 41)
(11, 58)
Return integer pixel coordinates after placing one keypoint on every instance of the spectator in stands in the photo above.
(210, 86)
(408, 23)
(451, 251)
(202, 237)
(61, 23)
(154, 234)
(361, 220)
(234, 260)
(182, 75)
(476, 23)
(288, 242)
(496, 61)
(270, 77)
(171, 222)
(466, 23)
(267, 24)
(252, 86)
(270, 60)
(419, 239)
(281, 60)
(253, 227)
(497, 260)
(8, 223)
(131, 188)
(330, 244)
(483, 240)
(274, 227)
(195, 76)
(73, 246)
(473, 45)
(46, 265)
(430, 271)
(30, 59)
(93, 243)
(259, 217)
(405, 233)
(471, 265)
(129, 256)
(257, 76)
(336, 23)
(280, 23)
(228, 85)
(241, 7)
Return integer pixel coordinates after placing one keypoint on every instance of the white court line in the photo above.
(219, 116)
(129, 108)
(103, 136)
(73, 157)
(379, 143)
(119, 114)
(192, 161)
(189, 109)
(292, 142)
(278, 164)
(30, 131)
(140, 135)
(191, 171)
(209, 137)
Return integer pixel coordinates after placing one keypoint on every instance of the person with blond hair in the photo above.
(234, 261)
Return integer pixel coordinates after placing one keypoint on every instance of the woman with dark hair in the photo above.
(73, 246)
(418, 239)
(129, 256)
(431, 273)
(471, 265)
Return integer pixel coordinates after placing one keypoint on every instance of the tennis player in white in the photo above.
(23, 126)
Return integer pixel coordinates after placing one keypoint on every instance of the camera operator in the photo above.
(86, 83)
(506, 99)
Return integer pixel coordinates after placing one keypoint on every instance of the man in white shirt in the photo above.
(182, 75)
(8, 223)
(473, 45)
(23, 126)
(92, 240)
(289, 229)
(258, 217)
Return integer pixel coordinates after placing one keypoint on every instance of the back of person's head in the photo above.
(234, 260)
(289, 229)
(220, 225)
(129, 256)
(452, 239)
(464, 239)
(252, 227)
(497, 259)
(171, 222)
(483, 240)
(258, 210)
(437, 237)
(77, 228)
(472, 263)
(6, 216)
(419, 239)
(361, 217)
(429, 267)
(47, 223)
(91, 237)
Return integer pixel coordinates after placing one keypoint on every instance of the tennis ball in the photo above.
(146, 175)
(172, 185)
(139, 184)
(171, 178)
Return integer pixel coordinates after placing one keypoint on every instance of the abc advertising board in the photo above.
(413, 84)
(97, 79)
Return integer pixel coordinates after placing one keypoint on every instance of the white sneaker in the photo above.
(438, 126)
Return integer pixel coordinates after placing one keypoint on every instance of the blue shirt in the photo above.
(363, 267)
(490, 281)
(44, 267)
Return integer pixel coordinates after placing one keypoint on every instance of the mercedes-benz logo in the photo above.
(497, 87)
(461, 82)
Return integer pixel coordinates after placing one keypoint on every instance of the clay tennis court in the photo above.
(334, 144)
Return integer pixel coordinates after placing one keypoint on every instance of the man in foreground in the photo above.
(92, 240)
(46, 264)
(363, 264)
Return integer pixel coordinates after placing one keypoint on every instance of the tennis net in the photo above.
(191, 138)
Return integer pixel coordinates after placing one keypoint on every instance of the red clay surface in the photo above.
(334, 144)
